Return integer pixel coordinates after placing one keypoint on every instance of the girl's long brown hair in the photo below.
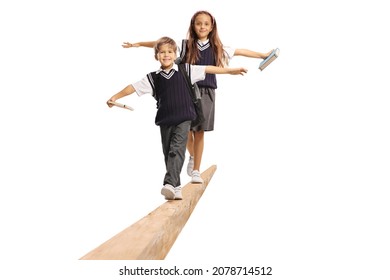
(193, 53)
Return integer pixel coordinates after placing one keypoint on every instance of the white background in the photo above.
(302, 148)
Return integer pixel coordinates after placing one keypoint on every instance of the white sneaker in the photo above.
(196, 179)
(168, 191)
(178, 195)
(190, 166)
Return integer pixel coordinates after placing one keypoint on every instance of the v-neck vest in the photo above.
(174, 102)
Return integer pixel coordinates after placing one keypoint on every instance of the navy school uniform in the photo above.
(175, 111)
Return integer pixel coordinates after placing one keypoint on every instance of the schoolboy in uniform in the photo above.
(175, 109)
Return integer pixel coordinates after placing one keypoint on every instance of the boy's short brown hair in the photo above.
(163, 41)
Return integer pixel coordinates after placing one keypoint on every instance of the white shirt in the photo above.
(198, 73)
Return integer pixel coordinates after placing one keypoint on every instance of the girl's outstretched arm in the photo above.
(124, 92)
(149, 44)
(249, 53)
(225, 70)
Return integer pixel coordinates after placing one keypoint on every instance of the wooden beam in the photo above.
(152, 237)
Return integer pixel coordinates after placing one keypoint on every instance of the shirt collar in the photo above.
(167, 71)
(202, 43)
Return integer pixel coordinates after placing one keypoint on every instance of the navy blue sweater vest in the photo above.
(174, 101)
(207, 57)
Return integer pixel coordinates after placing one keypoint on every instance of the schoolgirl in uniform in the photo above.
(203, 47)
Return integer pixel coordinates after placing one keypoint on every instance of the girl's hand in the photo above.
(268, 54)
(239, 71)
(130, 45)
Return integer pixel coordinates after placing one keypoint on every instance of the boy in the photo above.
(175, 108)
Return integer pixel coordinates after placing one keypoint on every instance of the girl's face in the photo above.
(203, 26)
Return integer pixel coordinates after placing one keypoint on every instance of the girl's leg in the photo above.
(198, 148)
(198, 152)
(190, 143)
(195, 143)
(195, 146)
(190, 148)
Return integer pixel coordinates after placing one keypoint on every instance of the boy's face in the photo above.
(166, 55)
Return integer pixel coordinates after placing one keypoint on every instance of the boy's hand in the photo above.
(130, 45)
(109, 103)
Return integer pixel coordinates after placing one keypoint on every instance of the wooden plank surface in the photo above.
(152, 237)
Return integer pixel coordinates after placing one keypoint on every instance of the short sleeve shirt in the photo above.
(143, 86)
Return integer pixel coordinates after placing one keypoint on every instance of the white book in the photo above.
(267, 61)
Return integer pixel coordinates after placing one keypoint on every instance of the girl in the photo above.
(204, 47)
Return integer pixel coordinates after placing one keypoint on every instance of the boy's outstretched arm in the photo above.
(253, 54)
(124, 92)
(149, 44)
(225, 70)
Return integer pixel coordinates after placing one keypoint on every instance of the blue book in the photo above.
(267, 61)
